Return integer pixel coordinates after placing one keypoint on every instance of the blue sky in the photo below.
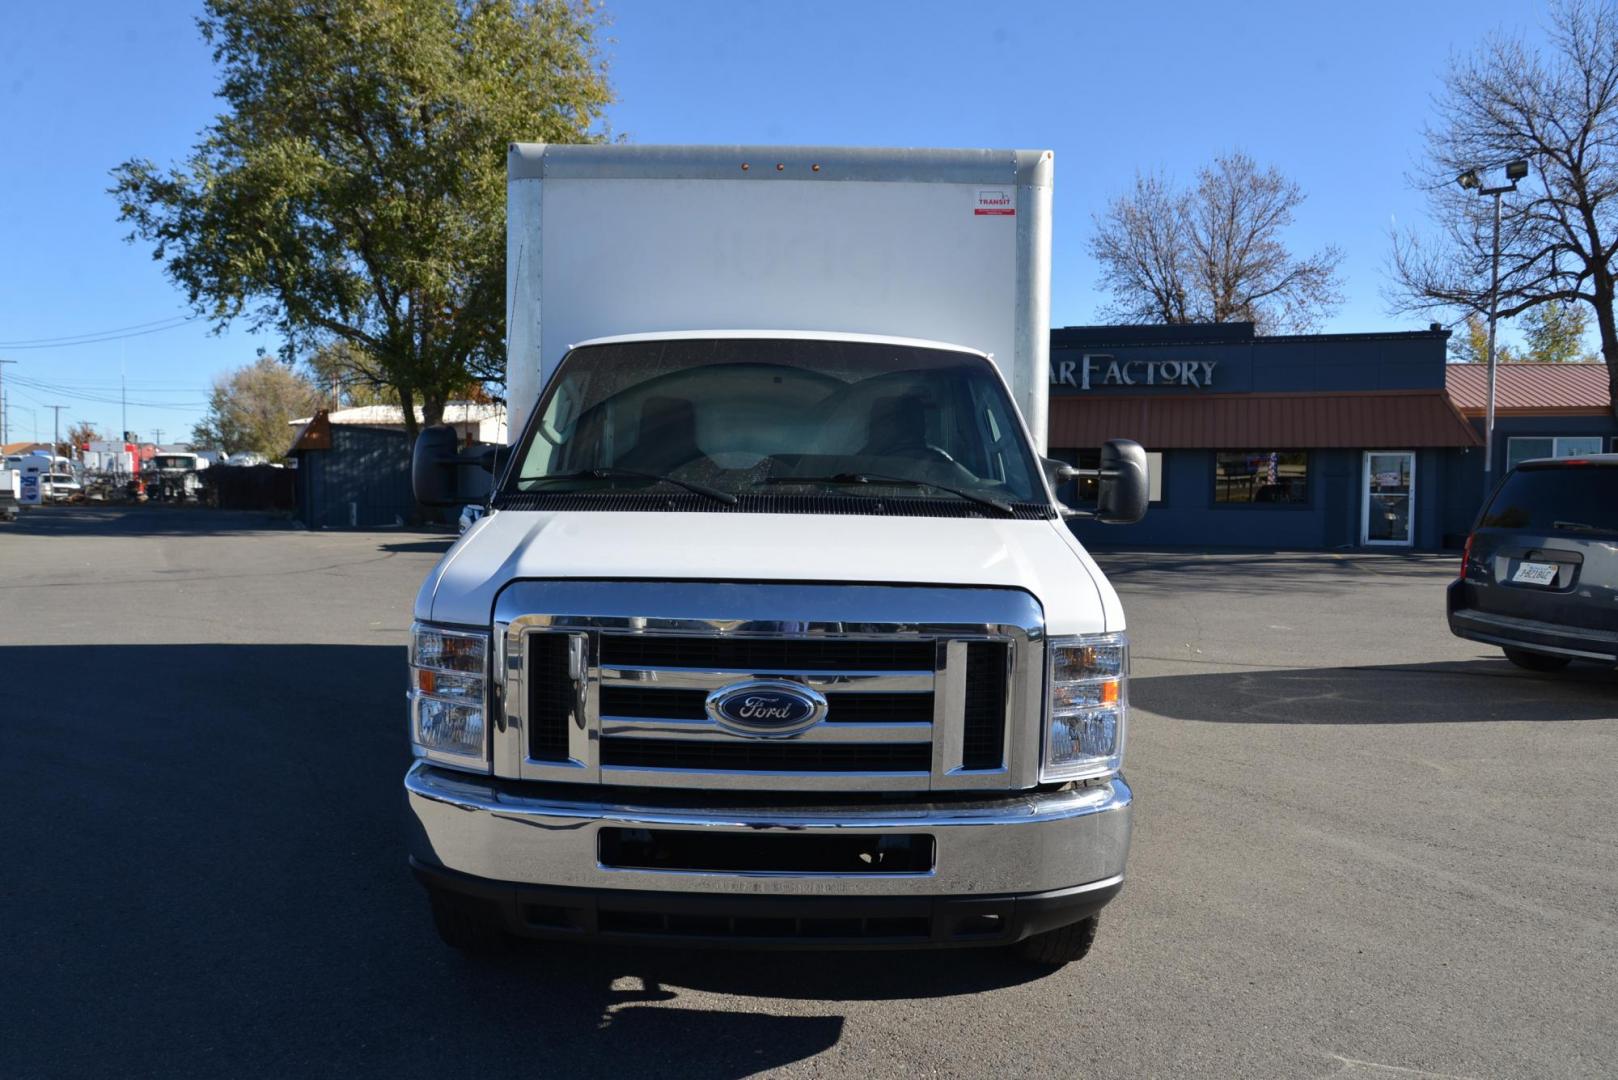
(1332, 94)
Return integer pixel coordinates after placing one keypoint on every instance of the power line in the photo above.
(102, 340)
(106, 399)
(95, 333)
(92, 337)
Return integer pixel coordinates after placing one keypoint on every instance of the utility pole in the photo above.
(157, 438)
(5, 431)
(56, 434)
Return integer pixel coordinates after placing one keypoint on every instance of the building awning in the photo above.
(1388, 419)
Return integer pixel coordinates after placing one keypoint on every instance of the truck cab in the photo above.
(172, 475)
(773, 637)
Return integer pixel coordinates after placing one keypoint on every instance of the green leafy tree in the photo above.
(1555, 333)
(1552, 334)
(1469, 344)
(252, 408)
(353, 188)
(347, 376)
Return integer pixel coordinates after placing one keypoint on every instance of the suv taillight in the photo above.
(1466, 555)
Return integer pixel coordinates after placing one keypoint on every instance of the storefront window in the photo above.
(1525, 449)
(1261, 476)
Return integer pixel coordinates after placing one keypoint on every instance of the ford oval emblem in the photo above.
(766, 708)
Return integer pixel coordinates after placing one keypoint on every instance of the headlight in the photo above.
(449, 696)
(1089, 701)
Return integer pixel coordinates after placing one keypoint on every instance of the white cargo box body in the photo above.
(943, 245)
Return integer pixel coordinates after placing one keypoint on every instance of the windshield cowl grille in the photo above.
(685, 502)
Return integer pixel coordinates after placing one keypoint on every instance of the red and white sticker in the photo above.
(995, 202)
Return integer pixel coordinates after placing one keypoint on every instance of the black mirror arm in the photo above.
(1061, 472)
(488, 458)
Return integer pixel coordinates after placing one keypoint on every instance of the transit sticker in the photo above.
(994, 202)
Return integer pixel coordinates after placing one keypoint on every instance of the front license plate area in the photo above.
(1534, 573)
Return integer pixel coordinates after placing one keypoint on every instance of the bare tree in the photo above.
(1213, 252)
(1558, 108)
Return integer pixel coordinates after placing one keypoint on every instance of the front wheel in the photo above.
(1534, 661)
(1064, 945)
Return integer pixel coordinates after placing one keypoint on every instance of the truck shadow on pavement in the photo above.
(155, 519)
(1465, 691)
(206, 876)
(1257, 572)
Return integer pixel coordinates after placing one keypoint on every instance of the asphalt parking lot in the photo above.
(1363, 848)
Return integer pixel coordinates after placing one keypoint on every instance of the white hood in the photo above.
(1041, 557)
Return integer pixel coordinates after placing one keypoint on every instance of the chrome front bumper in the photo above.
(519, 833)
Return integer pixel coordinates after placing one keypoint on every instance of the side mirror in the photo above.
(1122, 493)
(434, 467)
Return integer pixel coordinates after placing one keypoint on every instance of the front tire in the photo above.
(1533, 661)
(1064, 945)
(471, 931)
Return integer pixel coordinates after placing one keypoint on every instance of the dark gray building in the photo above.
(352, 476)
(1307, 441)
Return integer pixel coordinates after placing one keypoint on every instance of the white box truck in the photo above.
(10, 491)
(774, 633)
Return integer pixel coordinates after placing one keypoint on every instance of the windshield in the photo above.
(784, 419)
(1564, 498)
(173, 461)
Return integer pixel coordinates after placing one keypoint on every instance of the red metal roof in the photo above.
(1518, 387)
(1397, 419)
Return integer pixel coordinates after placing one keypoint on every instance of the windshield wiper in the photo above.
(1575, 526)
(879, 479)
(608, 472)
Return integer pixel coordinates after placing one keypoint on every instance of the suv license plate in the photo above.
(1535, 573)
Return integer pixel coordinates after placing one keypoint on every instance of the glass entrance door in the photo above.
(1389, 498)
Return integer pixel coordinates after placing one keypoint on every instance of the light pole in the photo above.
(1472, 180)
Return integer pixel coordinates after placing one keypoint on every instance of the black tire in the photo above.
(1061, 946)
(467, 929)
(1537, 661)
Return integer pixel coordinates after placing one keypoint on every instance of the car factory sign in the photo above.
(1103, 369)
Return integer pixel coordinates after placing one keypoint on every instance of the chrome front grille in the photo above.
(924, 687)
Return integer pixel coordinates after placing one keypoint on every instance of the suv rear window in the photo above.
(1558, 499)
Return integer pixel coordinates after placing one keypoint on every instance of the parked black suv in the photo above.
(1540, 574)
